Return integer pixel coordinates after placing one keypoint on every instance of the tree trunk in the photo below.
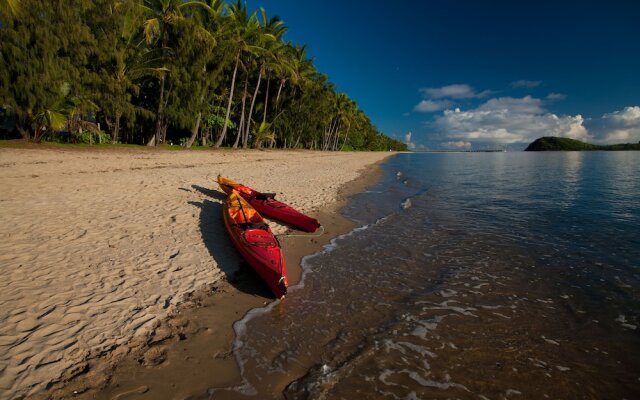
(346, 135)
(334, 147)
(266, 101)
(226, 118)
(160, 115)
(194, 131)
(116, 129)
(241, 126)
(24, 132)
(253, 101)
(282, 81)
(196, 127)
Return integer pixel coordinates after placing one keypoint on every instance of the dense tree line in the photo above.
(554, 143)
(159, 71)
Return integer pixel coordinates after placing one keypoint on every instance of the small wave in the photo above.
(240, 326)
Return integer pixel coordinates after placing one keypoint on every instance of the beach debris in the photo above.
(406, 204)
(623, 321)
(551, 341)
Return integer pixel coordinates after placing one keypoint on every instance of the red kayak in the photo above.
(270, 207)
(255, 241)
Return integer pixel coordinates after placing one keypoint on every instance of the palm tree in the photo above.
(211, 21)
(275, 57)
(159, 16)
(241, 29)
(125, 72)
(11, 7)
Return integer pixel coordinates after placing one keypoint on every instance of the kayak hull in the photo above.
(256, 243)
(270, 207)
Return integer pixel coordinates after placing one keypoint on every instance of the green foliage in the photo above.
(552, 143)
(84, 137)
(166, 68)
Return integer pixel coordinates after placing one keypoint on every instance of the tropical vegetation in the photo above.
(168, 71)
(553, 143)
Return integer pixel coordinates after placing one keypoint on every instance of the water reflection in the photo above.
(509, 274)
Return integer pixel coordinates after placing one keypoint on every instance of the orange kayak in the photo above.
(255, 241)
(270, 207)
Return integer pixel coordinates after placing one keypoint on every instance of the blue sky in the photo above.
(460, 74)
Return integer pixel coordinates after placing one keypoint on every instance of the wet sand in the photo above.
(118, 277)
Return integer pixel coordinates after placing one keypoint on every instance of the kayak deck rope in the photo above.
(307, 235)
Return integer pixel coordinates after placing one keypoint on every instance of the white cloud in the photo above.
(509, 120)
(459, 145)
(432, 105)
(408, 142)
(523, 83)
(622, 126)
(526, 104)
(556, 96)
(456, 91)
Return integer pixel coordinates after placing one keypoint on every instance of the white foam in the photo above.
(420, 380)
(448, 293)
(623, 321)
(240, 326)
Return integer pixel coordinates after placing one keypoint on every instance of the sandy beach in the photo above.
(102, 251)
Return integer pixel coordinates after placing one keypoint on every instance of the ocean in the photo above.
(471, 276)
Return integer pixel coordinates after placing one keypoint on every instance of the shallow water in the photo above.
(482, 275)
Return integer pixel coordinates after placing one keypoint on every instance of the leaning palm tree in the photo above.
(268, 38)
(158, 17)
(241, 31)
(211, 20)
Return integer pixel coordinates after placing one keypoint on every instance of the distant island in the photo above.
(553, 143)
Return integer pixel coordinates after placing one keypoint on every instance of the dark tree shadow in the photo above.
(216, 194)
(216, 239)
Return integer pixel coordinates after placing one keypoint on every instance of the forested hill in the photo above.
(552, 143)
(159, 71)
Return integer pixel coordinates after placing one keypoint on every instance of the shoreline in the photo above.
(168, 361)
(198, 331)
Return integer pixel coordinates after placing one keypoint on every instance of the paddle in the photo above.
(246, 221)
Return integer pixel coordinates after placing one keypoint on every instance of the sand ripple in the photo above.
(97, 246)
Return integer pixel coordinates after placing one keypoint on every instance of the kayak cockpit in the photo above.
(259, 237)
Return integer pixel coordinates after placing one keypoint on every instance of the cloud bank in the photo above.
(456, 91)
(408, 142)
(459, 145)
(436, 99)
(622, 126)
(507, 120)
(432, 105)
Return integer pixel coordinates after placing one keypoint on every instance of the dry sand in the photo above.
(98, 247)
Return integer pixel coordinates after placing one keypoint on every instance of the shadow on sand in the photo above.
(216, 239)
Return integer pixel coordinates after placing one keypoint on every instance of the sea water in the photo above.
(470, 275)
